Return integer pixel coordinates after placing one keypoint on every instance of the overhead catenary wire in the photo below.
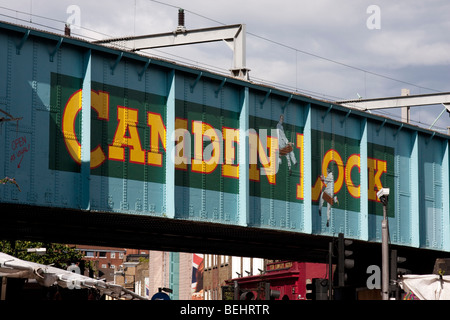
(248, 33)
(223, 70)
(307, 53)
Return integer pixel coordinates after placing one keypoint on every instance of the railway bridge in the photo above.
(108, 146)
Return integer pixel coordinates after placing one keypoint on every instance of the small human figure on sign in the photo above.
(327, 194)
(285, 146)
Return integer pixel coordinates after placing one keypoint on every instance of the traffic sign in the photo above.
(160, 296)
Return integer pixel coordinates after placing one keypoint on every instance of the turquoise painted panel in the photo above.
(431, 190)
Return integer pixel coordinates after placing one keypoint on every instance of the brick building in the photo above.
(108, 260)
(289, 278)
(134, 275)
(218, 269)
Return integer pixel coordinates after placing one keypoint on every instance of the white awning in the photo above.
(11, 267)
(427, 287)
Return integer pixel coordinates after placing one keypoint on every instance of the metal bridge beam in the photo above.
(170, 148)
(244, 186)
(307, 164)
(445, 199)
(364, 184)
(233, 35)
(86, 132)
(400, 101)
(415, 193)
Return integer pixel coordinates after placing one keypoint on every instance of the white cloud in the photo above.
(405, 48)
(412, 44)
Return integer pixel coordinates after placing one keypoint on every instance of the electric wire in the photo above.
(256, 36)
(223, 70)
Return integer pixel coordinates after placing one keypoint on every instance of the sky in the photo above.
(332, 50)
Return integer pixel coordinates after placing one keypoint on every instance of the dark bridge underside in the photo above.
(47, 224)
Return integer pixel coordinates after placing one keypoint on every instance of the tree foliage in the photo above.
(58, 255)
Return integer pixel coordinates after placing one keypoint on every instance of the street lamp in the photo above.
(383, 195)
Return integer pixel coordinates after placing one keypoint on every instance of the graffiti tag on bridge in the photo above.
(19, 148)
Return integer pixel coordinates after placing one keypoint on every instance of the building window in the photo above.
(89, 254)
(113, 255)
(104, 265)
(120, 255)
(102, 254)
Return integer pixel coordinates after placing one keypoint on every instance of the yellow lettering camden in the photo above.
(199, 163)
(127, 136)
(268, 160)
(230, 137)
(100, 103)
(221, 148)
(157, 134)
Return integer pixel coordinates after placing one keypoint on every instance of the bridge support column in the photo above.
(306, 171)
(364, 183)
(86, 132)
(445, 196)
(415, 193)
(244, 186)
(170, 146)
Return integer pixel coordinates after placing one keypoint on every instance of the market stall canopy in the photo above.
(11, 267)
(427, 287)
